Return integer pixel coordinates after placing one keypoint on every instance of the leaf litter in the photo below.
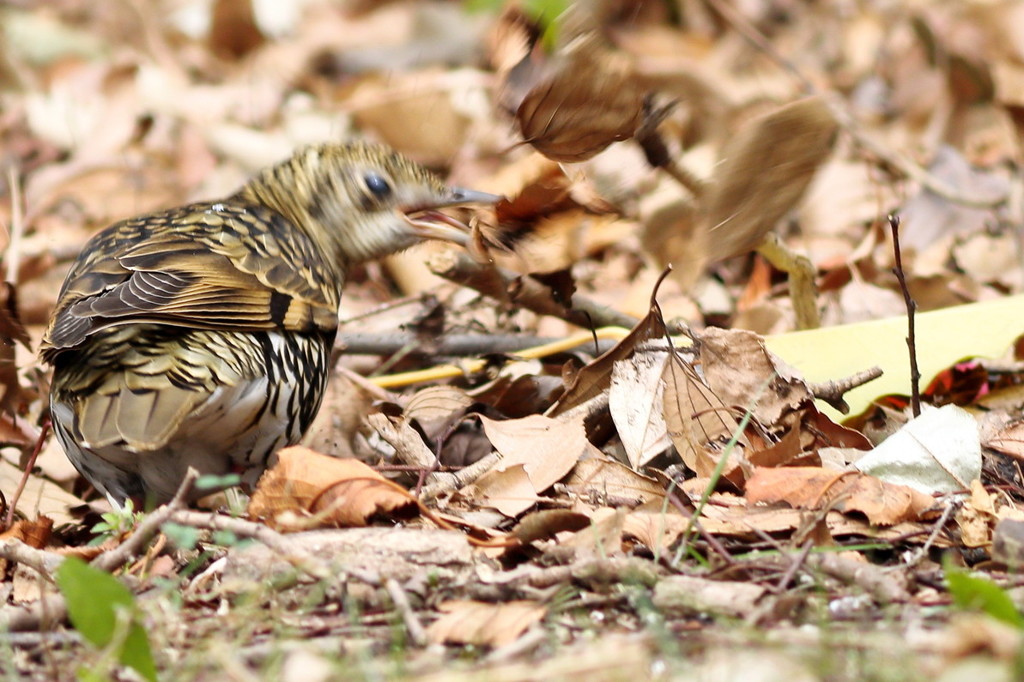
(532, 510)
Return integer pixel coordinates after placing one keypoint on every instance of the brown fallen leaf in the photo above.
(536, 452)
(700, 424)
(306, 489)
(764, 172)
(35, 534)
(599, 479)
(484, 624)
(596, 376)
(745, 374)
(884, 504)
(586, 97)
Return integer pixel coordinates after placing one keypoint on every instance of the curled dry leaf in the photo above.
(885, 504)
(306, 489)
(585, 99)
(547, 523)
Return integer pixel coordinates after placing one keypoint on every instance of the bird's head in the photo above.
(362, 201)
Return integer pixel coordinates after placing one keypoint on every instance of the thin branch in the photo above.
(832, 392)
(150, 526)
(277, 542)
(400, 599)
(456, 345)
(915, 373)
(29, 465)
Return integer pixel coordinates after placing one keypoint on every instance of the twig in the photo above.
(280, 544)
(884, 586)
(461, 478)
(44, 614)
(832, 392)
(150, 526)
(712, 541)
(417, 634)
(43, 562)
(934, 535)
(29, 465)
(794, 566)
(456, 345)
(526, 292)
(915, 373)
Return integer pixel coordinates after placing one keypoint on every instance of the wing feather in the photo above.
(203, 266)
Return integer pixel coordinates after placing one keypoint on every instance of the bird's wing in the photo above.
(200, 267)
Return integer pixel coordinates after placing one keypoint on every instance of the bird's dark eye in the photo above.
(378, 186)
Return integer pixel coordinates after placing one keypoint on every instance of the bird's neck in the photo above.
(294, 195)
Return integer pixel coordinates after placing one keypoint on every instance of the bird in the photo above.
(199, 336)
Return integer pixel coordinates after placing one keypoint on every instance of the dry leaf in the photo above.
(584, 99)
(745, 374)
(306, 489)
(233, 28)
(657, 530)
(536, 453)
(547, 523)
(40, 497)
(601, 478)
(595, 378)
(764, 172)
(635, 401)
(484, 624)
(700, 424)
(883, 503)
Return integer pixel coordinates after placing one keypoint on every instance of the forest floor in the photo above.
(605, 441)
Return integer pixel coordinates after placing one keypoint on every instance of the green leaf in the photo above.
(182, 537)
(214, 482)
(974, 593)
(94, 598)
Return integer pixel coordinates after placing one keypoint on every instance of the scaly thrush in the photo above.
(200, 336)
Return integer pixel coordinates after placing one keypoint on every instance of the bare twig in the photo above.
(43, 562)
(461, 478)
(915, 373)
(29, 465)
(278, 543)
(794, 566)
(526, 292)
(400, 599)
(457, 345)
(44, 614)
(940, 524)
(832, 392)
(150, 526)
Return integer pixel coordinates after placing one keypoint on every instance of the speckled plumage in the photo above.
(200, 335)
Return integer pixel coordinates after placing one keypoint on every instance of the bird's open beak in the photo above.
(430, 223)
